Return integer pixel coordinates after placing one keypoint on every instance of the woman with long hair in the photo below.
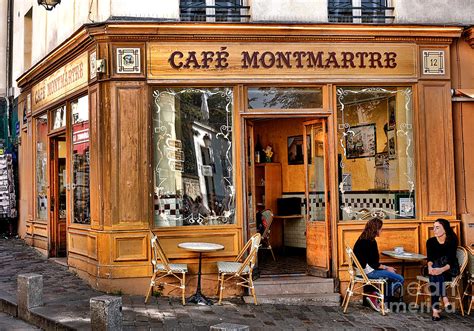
(367, 252)
(442, 263)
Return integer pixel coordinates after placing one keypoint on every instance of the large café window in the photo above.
(80, 161)
(376, 153)
(41, 161)
(192, 152)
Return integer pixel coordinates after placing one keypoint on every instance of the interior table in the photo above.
(200, 247)
(405, 256)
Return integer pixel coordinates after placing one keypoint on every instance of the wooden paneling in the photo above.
(82, 242)
(392, 235)
(95, 159)
(129, 145)
(130, 248)
(436, 151)
(317, 244)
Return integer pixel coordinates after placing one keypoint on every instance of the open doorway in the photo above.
(58, 204)
(286, 174)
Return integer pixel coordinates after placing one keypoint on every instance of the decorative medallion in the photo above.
(128, 60)
(93, 65)
(433, 63)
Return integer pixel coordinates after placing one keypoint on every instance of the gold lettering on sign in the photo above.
(64, 80)
(171, 60)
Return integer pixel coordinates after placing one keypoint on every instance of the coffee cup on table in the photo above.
(398, 249)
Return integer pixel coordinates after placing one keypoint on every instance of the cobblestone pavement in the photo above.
(8, 322)
(66, 299)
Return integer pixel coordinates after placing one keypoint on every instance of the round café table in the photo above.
(200, 247)
(405, 257)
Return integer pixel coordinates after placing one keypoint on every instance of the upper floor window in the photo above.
(214, 10)
(360, 11)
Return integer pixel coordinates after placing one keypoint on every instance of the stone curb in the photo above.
(10, 307)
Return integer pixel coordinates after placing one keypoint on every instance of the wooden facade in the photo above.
(113, 251)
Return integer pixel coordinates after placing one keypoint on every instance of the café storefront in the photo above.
(191, 130)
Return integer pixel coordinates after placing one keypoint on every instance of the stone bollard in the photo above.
(29, 293)
(106, 313)
(229, 327)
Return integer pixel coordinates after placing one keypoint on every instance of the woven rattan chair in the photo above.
(162, 268)
(240, 272)
(358, 280)
(268, 216)
(470, 282)
(424, 281)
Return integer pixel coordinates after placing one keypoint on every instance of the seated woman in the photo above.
(442, 263)
(367, 252)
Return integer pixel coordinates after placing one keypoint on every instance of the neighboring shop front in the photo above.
(158, 131)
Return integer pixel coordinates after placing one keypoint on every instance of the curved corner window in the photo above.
(192, 152)
(41, 161)
(376, 153)
(80, 161)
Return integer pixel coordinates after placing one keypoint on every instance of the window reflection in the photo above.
(284, 98)
(41, 167)
(192, 137)
(376, 153)
(80, 160)
(59, 118)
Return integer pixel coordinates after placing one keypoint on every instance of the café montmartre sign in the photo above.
(300, 59)
(63, 81)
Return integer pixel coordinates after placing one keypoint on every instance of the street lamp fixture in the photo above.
(49, 4)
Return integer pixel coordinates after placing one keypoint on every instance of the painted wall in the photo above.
(460, 12)
(314, 11)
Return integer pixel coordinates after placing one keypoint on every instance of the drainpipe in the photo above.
(9, 59)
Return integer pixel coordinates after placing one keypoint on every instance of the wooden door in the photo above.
(58, 204)
(250, 180)
(318, 243)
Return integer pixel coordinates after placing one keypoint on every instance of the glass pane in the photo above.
(316, 174)
(193, 172)
(80, 161)
(59, 118)
(62, 178)
(376, 153)
(284, 98)
(41, 167)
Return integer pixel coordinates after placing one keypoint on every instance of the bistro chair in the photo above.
(240, 272)
(268, 216)
(358, 280)
(454, 284)
(163, 268)
(470, 282)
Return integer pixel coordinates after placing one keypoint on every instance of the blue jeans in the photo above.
(394, 281)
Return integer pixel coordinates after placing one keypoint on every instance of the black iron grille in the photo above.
(214, 11)
(370, 11)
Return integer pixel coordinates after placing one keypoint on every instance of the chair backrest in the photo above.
(268, 215)
(470, 253)
(358, 270)
(250, 260)
(158, 253)
(461, 255)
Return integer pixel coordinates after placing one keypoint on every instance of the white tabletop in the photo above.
(200, 246)
(405, 256)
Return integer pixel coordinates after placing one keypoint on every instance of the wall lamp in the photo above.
(49, 4)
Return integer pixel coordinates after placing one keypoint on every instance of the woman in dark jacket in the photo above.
(367, 252)
(442, 263)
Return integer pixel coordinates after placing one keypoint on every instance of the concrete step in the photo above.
(282, 285)
(324, 299)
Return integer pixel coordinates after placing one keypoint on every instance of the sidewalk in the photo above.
(66, 305)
